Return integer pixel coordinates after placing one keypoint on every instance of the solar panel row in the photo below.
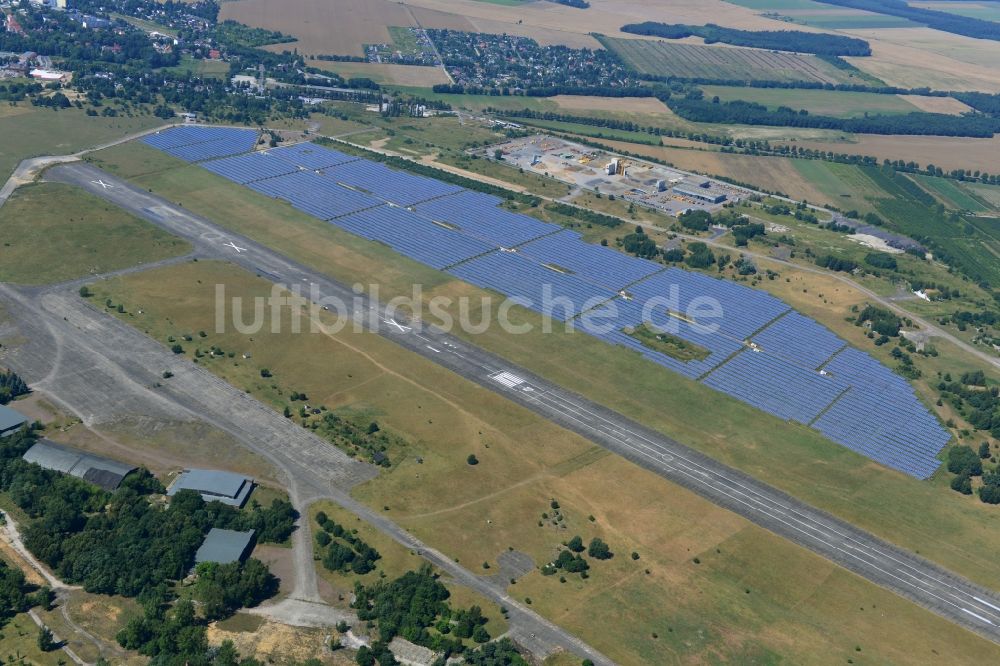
(197, 143)
(557, 295)
(776, 386)
(413, 236)
(477, 214)
(858, 402)
(602, 265)
(314, 195)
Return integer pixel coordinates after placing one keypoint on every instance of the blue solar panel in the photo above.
(607, 267)
(311, 156)
(558, 295)
(248, 168)
(478, 215)
(736, 310)
(798, 339)
(413, 236)
(225, 141)
(776, 386)
(314, 195)
(396, 186)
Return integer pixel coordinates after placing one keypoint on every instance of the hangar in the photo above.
(103, 472)
(214, 486)
(225, 546)
(10, 421)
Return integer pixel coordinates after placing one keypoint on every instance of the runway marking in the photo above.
(978, 617)
(239, 250)
(398, 326)
(507, 379)
(436, 351)
(101, 182)
(983, 601)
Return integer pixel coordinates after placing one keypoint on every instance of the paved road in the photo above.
(927, 584)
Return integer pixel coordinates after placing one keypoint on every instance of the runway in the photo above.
(905, 573)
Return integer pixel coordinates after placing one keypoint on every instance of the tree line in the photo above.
(11, 386)
(751, 113)
(774, 40)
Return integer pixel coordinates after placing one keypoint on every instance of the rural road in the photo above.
(949, 595)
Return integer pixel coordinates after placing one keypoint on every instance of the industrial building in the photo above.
(10, 421)
(700, 193)
(225, 546)
(214, 486)
(102, 472)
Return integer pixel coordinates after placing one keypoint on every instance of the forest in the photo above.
(11, 386)
(796, 41)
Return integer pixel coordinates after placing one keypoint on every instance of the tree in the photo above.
(575, 544)
(85, 292)
(472, 459)
(45, 641)
(599, 550)
(984, 450)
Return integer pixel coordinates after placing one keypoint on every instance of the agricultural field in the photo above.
(840, 104)
(985, 10)
(200, 67)
(53, 232)
(952, 194)
(946, 152)
(385, 73)
(341, 27)
(944, 526)
(721, 62)
(714, 566)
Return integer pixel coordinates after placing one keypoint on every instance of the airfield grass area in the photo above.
(941, 525)
(52, 232)
(394, 562)
(799, 606)
(30, 131)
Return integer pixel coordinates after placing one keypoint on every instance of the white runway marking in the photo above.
(507, 379)
(239, 250)
(978, 617)
(102, 184)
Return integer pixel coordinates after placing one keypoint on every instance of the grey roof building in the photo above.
(214, 485)
(225, 546)
(103, 472)
(10, 420)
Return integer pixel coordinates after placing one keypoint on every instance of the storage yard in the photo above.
(760, 350)
(645, 183)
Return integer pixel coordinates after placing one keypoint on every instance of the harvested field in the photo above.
(612, 104)
(840, 104)
(399, 75)
(937, 104)
(697, 61)
(322, 26)
(944, 151)
(919, 57)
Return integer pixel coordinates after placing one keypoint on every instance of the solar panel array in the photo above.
(758, 349)
(413, 236)
(557, 295)
(799, 339)
(198, 143)
(314, 195)
(602, 265)
(399, 187)
(477, 214)
(775, 386)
